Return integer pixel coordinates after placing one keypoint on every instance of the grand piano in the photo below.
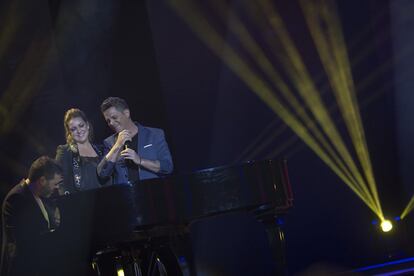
(149, 214)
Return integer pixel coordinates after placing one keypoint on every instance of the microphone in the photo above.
(127, 144)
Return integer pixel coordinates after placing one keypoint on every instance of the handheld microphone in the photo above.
(127, 144)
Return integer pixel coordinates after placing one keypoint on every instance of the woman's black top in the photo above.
(79, 172)
(90, 179)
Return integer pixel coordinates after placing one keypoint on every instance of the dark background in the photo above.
(59, 54)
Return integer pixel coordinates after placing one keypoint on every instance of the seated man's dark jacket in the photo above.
(24, 247)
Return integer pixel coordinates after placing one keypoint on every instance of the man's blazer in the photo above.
(151, 145)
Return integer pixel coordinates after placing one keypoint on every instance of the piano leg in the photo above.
(181, 247)
(164, 261)
(103, 262)
(152, 258)
(114, 261)
(156, 265)
(95, 267)
(276, 238)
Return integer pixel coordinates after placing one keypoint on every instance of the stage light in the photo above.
(118, 267)
(120, 272)
(386, 226)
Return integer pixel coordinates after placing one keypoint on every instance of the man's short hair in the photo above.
(118, 103)
(44, 166)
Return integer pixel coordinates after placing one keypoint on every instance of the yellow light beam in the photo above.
(363, 51)
(360, 88)
(348, 101)
(286, 144)
(29, 76)
(304, 83)
(259, 141)
(332, 50)
(259, 56)
(328, 52)
(261, 146)
(408, 208)
(366, 102)
(217, 44)
(387, 86)
(10, 25)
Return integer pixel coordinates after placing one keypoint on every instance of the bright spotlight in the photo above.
(120, 272)
(386, 225)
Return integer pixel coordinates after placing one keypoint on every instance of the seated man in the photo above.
(27, 217)
(135, 152)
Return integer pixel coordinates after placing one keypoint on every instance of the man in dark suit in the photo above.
(135, 152)
(27, 216)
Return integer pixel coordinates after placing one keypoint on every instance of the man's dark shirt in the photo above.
(133, 169)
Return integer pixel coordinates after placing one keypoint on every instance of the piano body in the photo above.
(120, 215)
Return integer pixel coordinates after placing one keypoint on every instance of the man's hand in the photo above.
(56, 217)
(130, 154)
(123, 136)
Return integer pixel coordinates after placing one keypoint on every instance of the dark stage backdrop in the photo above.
(404, 96)
(59, 54)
